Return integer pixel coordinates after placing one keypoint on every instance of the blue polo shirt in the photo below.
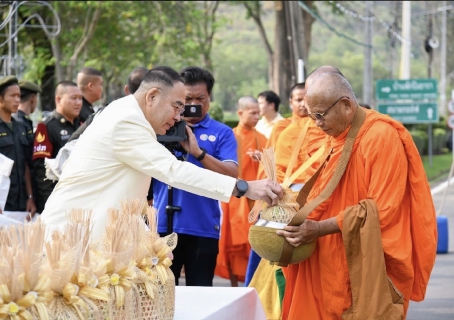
(199, 216)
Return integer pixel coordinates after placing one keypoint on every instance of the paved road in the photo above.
(439, 301)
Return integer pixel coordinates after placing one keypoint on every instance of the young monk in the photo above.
(298, 141)
(234, 245)
(376, 234)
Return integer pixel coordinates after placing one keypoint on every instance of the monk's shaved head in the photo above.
(246, 101)
(329, 86)
(331, 103)
(320, 70)
(248, 112)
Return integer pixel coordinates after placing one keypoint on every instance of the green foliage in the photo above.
(420, 139)
(240, 61)
(439, 140)
(128, 34)
(216, 111)
(440, 166)
(231, 123)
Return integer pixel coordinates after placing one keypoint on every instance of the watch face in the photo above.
(242, 186)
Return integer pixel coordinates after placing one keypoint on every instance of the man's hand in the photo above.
(305, 233)
(190, 144)
(31, 208)
(309, 231)
(265, 190)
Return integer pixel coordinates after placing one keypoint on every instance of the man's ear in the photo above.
(57, 99)
(126, 90)
(150, 95)
(240, 112)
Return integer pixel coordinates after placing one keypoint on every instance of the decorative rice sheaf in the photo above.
(125, 275)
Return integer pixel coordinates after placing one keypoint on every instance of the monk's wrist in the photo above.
(328, 226)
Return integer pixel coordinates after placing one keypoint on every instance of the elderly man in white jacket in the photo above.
(118, 154)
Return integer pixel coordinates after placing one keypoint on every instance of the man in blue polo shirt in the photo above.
(198, 222)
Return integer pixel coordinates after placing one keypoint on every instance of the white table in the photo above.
(217, 303)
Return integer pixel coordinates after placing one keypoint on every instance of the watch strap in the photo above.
(240, 193)
(202, 155)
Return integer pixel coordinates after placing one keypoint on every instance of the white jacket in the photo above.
(114, 159)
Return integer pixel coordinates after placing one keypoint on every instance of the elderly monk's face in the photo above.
(333, 116)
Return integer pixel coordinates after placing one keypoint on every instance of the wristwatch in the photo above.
(202, 155)
(242, 188)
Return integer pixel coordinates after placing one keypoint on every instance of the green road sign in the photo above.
(411, 112)
(411, 89)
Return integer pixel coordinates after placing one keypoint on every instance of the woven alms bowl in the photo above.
(269, 246)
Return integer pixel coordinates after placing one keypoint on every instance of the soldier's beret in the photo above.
(30, 86)
(7, 81)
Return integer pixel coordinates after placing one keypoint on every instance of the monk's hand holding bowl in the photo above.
(308, 232)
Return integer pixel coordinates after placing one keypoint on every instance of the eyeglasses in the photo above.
(176, 104)
(321, 116)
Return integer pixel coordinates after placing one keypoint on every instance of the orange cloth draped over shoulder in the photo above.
(384, 166)
(271, 142)
(234, 246)
(313, 140)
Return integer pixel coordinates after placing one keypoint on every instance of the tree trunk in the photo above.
(48, 89)
(308, 20)
(254, 12)
(56, 51)
(282, 72)
(89, 30)
(207, 36)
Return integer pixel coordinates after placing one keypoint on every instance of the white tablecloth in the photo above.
(217, 303)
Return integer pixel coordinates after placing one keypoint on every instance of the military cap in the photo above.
(29, 86)
(7, 81)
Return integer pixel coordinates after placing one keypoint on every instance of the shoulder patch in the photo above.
(42, 146)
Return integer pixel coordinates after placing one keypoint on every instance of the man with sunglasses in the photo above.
(376, 232)
(118, 154)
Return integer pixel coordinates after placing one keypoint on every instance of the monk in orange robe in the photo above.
(384, 168)
(234, 246)
(296, 99)
(298, 141)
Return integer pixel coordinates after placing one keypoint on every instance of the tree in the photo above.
(117, 36)
(292, 41)
(206, 29)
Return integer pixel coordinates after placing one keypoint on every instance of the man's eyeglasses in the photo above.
(176, 104)
(321, 116)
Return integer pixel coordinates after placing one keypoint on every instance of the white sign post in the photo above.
(450, 122)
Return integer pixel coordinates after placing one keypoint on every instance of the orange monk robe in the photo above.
(271, 142)
(286, 143)
(234, 246)
(384, 166)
